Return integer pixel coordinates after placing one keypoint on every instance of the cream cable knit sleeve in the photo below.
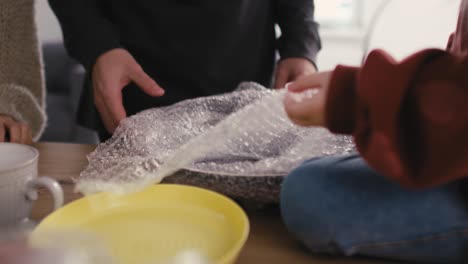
(22, 93)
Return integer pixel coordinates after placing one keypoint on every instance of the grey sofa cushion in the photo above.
(64, 82)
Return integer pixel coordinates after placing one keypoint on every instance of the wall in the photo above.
(404, 27)
(407, 26)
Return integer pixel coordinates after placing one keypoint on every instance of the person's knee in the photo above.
(305, 207)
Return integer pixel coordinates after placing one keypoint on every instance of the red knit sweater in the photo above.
(409, 119)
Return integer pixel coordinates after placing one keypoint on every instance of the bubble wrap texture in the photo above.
(241, 144)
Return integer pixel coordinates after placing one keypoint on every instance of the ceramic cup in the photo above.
(19, 182)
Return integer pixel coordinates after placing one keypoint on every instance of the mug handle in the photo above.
(52, 185)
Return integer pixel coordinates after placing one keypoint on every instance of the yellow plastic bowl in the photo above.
(156, 224)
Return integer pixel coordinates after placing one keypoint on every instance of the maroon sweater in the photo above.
(409, 119)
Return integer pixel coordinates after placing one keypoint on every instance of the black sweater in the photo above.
(191, 48)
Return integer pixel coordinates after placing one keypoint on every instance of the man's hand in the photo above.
(14, 131)
(113, 71)
(308, 111)
(291, 69)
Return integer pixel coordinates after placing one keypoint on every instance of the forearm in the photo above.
(408, 118)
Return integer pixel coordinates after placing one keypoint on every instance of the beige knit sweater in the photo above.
(22, 93)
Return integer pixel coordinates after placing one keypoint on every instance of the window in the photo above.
(337, 13)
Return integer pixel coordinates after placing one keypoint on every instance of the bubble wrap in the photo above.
(241, 144)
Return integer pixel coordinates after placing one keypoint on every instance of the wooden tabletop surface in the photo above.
(269, 241)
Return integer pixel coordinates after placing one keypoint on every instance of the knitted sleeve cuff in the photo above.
(18, 102)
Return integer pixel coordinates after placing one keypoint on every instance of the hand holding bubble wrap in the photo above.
(241, 144)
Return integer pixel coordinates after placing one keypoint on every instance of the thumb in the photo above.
(145, 83)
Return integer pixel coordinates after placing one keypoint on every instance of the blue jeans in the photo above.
(338, 205)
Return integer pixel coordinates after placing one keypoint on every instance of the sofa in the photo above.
(64, 82)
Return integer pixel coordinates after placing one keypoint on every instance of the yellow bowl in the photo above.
(156, 224)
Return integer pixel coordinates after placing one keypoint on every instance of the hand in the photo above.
(13, 252)
(14, 131)
(21, 253)
(310, 111)
(113, 71)
(291, 69)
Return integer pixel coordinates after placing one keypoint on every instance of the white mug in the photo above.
(19, 182)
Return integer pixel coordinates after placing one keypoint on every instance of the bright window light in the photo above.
(331, 13)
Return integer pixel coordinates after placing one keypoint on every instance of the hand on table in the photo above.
(19, 252)
(14, 131)
(291, 69)
(309, 111)
(113, 71)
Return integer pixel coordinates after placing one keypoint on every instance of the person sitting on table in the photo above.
(405, 197)
(22, 95)
(191, 48)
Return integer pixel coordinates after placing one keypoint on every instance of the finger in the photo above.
(281, 79)
(22, 133)
(145, 82)
(109, 124)
(14, 130)
(2, 131)
(109, 95)
(29, 136)
(306, 82)
(113, 103)
(26, 137)
(106, 118)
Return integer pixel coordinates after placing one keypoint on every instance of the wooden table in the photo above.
(269, 241)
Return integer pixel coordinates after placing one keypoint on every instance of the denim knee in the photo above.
(339, 205)
(305, 210)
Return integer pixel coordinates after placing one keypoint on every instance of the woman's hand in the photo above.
(305, 107)
(14, 131)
